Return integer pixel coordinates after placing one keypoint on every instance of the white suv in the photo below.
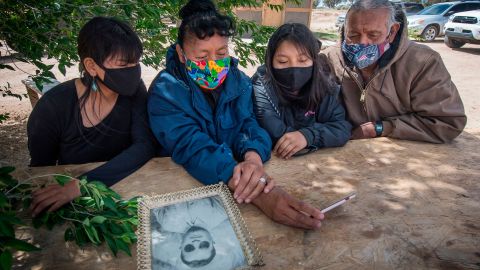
(430, 22)
(461, 28)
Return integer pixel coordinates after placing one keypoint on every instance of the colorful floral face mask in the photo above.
(208, 74)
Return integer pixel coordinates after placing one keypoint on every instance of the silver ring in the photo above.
(263, 180)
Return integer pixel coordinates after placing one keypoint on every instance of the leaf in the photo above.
(98, 219)
(19, 244)
(69, 235)
(134, 221)
(111, 244)
(6, 229)
(4, 201)
(8, 218)
(40, 220)
(27, 202)
(80, 236)
(6, 170)
(110, 204)
(116, 229)
(86, 222)
(62, 179)
(2, 66)
(123, 246)
(62, 69)
(8, 180)
(6, 259)
(98, 198)
(92, 234)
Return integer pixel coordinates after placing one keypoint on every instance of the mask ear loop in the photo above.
(184, 57)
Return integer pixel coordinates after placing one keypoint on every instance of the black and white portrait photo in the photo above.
(195, 234)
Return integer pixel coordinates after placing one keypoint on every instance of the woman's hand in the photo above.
(246, 179)
(54, 197)
(289, 144)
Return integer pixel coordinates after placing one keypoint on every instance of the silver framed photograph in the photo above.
(201, 228)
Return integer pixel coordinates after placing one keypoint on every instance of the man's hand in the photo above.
(289, 144)
(284, 209)
(364, 131)
(54, 197)
(245, 181)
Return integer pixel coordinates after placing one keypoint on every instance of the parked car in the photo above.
(430, 22)
(461, 28)
(407, 7)
(340, 21)
(343, 6)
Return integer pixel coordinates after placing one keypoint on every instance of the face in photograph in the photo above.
(195, 234)
(197, 247)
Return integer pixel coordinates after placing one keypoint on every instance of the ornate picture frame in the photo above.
(200, 227)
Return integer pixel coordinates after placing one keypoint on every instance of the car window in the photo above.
(472, 6)
(435, 9)
(413, 8)
(458, 8)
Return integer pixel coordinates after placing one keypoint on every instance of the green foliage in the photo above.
(5, 91)
(14, 197)
(4, 117)
(413, 35)
(99, 215)
(44, 28)
(331, 3)
(327, 36)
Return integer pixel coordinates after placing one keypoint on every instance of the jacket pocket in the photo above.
(388, 97)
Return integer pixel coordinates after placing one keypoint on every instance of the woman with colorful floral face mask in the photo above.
(295, 97)
(200, 107)
(99, 117)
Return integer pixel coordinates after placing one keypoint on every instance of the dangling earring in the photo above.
(94, 85)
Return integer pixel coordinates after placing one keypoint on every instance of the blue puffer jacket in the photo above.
(205, 143)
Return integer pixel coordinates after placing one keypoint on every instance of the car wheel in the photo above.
(453, 43)
(430, 33)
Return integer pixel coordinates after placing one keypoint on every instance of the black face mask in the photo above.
(123, 81)
(294, 78)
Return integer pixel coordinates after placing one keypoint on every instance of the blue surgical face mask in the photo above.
(363, 56)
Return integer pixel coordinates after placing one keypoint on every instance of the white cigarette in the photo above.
(338, 203)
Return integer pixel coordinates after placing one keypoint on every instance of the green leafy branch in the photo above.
(33, 31)
(9, 207)
(98, 216)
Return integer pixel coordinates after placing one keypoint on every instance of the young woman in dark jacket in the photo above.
(295, 96)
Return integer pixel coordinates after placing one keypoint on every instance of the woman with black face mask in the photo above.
(100, 116)
(295, 96)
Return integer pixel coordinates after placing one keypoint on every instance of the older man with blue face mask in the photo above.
(392, 86)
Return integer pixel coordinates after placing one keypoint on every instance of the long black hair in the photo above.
(102, 38)
(201, 18)
(322, 81)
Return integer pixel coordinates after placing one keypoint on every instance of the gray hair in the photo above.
(362, 5)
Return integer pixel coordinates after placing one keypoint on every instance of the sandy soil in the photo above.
(463, 65)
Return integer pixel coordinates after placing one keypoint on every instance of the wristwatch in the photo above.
(379, 128)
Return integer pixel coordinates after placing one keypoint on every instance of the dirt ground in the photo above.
(463, 65)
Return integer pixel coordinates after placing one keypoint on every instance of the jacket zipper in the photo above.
(363, 94)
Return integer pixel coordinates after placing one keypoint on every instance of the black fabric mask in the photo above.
(123, 81)
(294, 78)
